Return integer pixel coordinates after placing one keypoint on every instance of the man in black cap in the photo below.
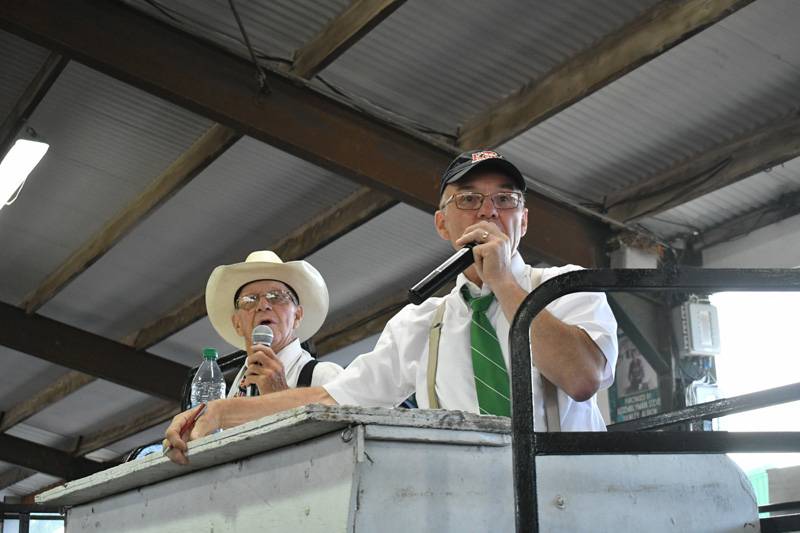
(452, 352)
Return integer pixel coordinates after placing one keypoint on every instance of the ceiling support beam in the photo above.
(33, 94)
(340, 34)
(649, 35)
(46, 460)
(362, 205)
(203, 152)
(91, 354)
(293, 117)
(726, 164)
(786, 206)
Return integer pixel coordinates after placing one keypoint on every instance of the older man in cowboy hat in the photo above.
(573, 342)
(291, 299)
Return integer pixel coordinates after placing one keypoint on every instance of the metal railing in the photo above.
(526, 443)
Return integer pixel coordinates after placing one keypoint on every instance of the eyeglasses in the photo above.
(249, 302)
(474, 200)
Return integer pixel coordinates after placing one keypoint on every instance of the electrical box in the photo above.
(696, 328)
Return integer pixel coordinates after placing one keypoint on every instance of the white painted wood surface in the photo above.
(364, 470)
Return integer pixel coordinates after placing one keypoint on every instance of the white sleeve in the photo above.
(589, 311)
(325, 372)
(380, 378)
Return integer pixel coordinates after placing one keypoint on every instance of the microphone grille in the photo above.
(262, 334)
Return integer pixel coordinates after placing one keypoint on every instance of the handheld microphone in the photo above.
(448, 270)
(262, 334)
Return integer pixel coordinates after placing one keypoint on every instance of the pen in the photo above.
(187, 426)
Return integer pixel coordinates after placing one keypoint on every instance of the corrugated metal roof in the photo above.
(96, 406)
(728, 203)
(21, 62)
(275, 28)
(107, 142)
(739, 74)
(439, 63)
(249, 198)
(29, 374)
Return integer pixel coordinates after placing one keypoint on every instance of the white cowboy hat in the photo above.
(304, 279)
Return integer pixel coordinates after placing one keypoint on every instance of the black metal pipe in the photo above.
(608, 280)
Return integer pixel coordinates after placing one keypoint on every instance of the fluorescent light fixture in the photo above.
(16, 165)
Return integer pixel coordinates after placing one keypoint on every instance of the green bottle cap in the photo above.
(210, 354)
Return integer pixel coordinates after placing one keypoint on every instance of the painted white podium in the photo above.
(331, 469)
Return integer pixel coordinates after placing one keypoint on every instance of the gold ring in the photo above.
(485, 236)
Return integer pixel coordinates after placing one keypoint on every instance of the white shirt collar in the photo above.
(290, 353)
(517, 268)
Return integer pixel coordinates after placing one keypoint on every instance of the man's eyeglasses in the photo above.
(474, 200)
(249, 302)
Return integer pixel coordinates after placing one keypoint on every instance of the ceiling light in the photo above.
(15, 167)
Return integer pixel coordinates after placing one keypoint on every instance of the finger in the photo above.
(173, 431)
(177, 456)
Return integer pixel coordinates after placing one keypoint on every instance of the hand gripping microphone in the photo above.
(455, 265)
(262, 334)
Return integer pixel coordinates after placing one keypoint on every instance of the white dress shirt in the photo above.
(293, 358)
(397, 367)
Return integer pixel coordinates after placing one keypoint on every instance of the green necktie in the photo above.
(491, 376)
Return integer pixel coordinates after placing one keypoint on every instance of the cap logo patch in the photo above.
(480, 156)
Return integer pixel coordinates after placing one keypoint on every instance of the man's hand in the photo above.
(492, 253)
(176, 444)
(264, 370)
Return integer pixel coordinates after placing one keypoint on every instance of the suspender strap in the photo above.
(306, 373)
(551, 413)
(433, 354)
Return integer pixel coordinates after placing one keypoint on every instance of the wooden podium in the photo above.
(327, 469)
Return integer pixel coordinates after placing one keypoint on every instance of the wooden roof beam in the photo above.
(712, 170)
(654, 32)
(146, 53)
(340, 34)
(92, 354)
(788, 205)
(45, 459)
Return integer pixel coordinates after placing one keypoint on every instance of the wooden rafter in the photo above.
(91, 354)
(340, 34)
(33, 94)
(305, 240)
(45, 459)
(786, 206)
(709, 171)
(652, 33)
(148, 54)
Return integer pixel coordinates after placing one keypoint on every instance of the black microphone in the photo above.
(262, 334)
(455, 265)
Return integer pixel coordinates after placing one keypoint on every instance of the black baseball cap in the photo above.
(485, 160)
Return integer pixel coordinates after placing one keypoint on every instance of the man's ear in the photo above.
(237, 324)
(298, 316)
(524, 224)
(441, 228)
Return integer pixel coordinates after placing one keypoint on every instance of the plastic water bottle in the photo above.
(209, 383)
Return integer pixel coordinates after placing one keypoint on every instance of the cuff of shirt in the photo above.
(609, 348)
